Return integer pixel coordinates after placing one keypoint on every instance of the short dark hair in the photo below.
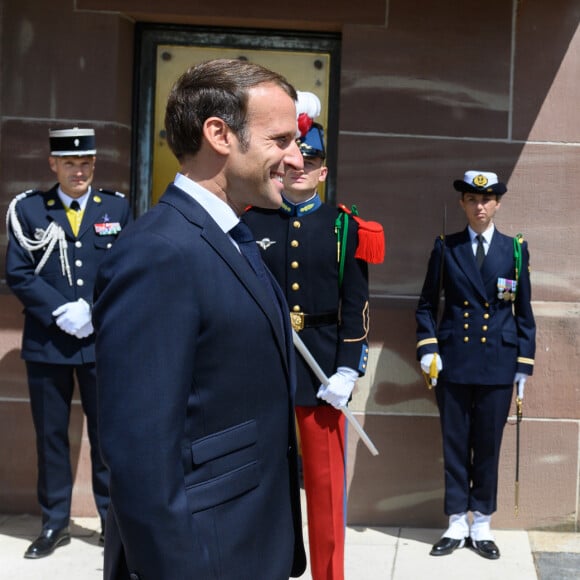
(214, 88)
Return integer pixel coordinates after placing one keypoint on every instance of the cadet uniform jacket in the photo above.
(105, 215)
(482, 338)
(299, 245)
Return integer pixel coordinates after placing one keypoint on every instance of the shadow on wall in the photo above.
(18, 450)
(403, 485)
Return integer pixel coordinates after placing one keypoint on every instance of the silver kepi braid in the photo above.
(50, 237)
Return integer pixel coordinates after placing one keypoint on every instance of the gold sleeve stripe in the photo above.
(365, 325)
(426, 341)
(526, 361)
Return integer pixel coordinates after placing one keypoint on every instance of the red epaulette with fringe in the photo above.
(371, 238)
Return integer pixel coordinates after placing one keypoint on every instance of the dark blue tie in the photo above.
(245, 240)
(480, 252)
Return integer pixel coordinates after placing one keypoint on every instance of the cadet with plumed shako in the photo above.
(316, 253)
(57, 239)
(483, 345)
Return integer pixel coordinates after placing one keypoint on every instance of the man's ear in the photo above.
(323, 173)
(218, 135)
(52, 163)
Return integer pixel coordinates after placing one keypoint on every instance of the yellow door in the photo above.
(307, 71)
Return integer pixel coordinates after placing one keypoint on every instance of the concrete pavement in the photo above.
(371, 554)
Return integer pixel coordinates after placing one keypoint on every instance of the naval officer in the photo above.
(482, 347)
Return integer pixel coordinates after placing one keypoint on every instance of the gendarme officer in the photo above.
(484, 344)
(57, 240)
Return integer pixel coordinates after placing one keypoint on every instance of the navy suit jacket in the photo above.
(42, 340)
(196, 382)
(481, 338)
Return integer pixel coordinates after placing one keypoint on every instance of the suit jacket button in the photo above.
(466, 339)
(483, 339)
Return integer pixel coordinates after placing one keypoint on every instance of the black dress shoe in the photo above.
(445, 546)
(48, 541)
(486, 548)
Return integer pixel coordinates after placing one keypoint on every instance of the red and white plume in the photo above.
(307, 109)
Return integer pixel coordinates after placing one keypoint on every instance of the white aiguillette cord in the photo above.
(48, 239)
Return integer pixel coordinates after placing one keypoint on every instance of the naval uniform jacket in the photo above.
(482, 339)
(195, 380)
(299, 245)
(105, 215)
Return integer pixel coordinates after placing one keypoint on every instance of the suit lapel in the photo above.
(93, 213)
(56, 212)
(464, 257)
(494, 265)
(223, 246)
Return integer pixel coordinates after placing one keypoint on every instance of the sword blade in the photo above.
(519, 414)
(313, 364)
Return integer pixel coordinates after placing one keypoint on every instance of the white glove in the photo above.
(72, 316)
(339, 388)
(520, 381)
(426, 361)
(85, 330)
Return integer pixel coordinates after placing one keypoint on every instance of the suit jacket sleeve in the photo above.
(146, 310)
(427, 309)
(525, 317)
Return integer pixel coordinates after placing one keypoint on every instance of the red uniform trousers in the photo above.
(322, 439)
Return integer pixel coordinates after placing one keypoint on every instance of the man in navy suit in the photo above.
(57, 240)
(483, 345)
(194, 349)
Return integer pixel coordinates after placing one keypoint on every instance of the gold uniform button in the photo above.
(296, 224)
(294, 243)
(295, 286)
(294, 265)
(486, 304)
(483, 339)
(484, 328)
(466, 326)
(466, 315)
(486, 315)
(465, 303)
(296, 308)
(466, 339)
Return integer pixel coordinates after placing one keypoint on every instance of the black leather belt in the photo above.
(301, 320)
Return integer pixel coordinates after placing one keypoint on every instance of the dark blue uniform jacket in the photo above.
(482, 339)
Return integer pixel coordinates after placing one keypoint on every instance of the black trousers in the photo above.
(472, 422)
(51, 389)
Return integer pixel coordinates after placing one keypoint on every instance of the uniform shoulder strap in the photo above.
(518, 241)
(111, 192)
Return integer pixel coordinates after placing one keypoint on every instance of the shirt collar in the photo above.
(218, 209)
(67, 199)
(487, 235)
